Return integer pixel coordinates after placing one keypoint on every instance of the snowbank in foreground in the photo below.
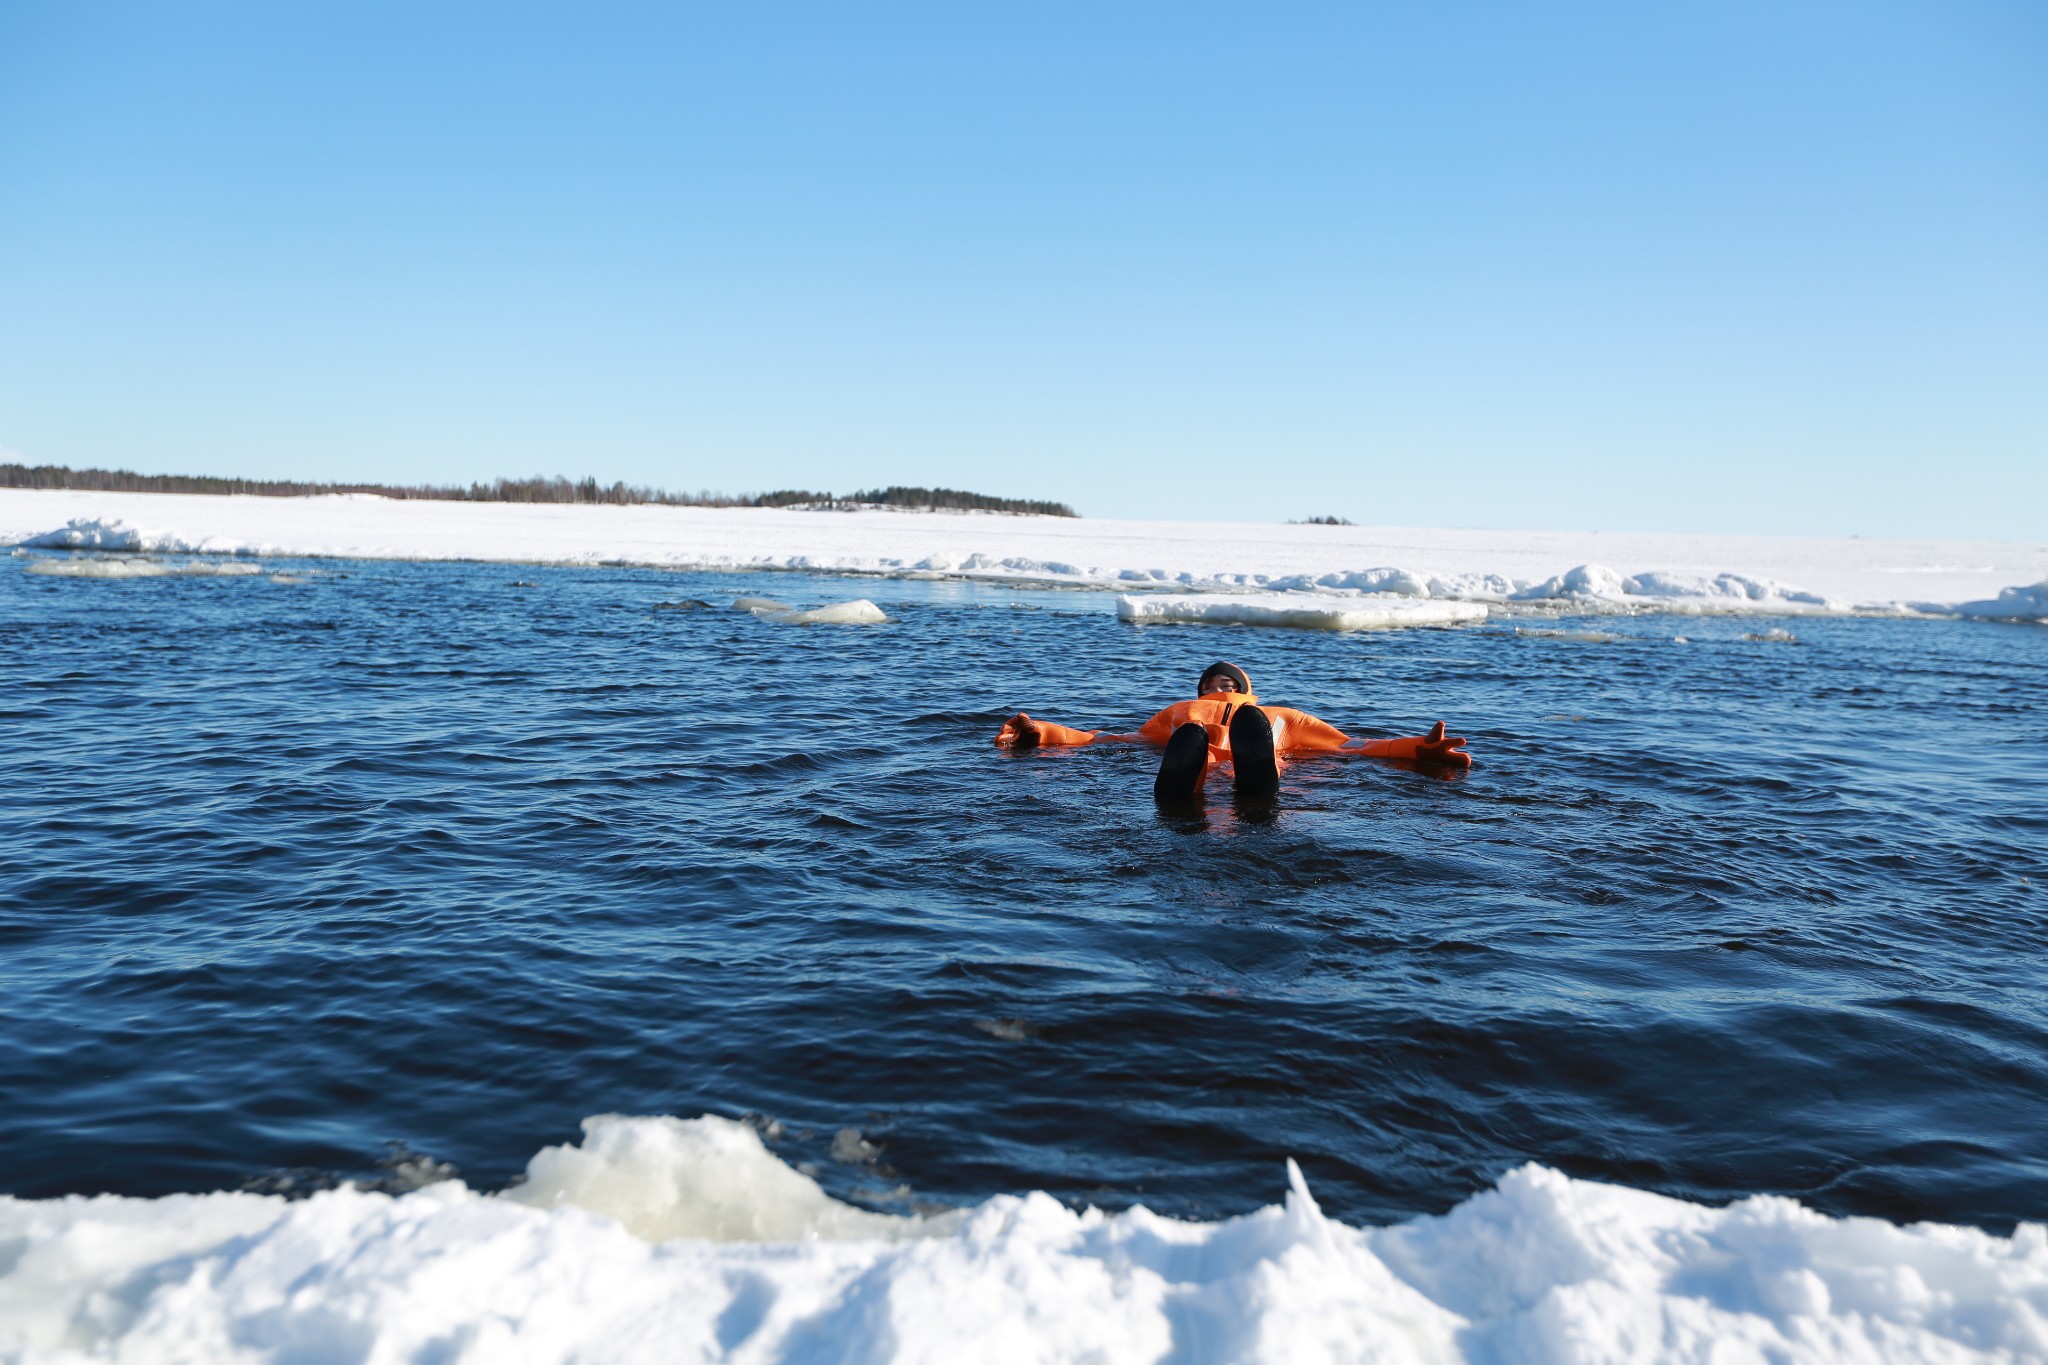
(665, 1240)
(1526, 570)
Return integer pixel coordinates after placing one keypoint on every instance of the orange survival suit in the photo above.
(1293, 731)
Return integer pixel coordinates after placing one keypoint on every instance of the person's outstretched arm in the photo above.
(1022, 732)
(1435, 749)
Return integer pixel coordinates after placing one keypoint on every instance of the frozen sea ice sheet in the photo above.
(660, 1239)
(1300, 611)
(1536, 570)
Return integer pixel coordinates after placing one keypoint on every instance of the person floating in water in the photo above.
(1226, 723)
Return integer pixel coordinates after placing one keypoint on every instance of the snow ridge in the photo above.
(658, 1239)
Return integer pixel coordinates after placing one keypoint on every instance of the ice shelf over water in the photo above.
(1517, 570)
(660, 1239)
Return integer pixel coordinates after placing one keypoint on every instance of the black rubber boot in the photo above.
(1256, 770)
(1181, 769)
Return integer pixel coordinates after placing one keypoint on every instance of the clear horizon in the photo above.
(1728, 270)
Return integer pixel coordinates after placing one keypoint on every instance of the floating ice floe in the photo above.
(858, 612)
(660, 1239)
(2013, 604)
(1301, 611)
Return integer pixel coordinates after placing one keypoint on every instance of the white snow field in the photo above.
(660, 1239)
(1537, 569)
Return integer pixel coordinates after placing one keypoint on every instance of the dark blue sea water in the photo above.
(413, 854)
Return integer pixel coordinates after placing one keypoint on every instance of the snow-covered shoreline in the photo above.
(657, 1239)
(1583, 570)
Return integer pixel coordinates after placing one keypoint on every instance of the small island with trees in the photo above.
(538, 489)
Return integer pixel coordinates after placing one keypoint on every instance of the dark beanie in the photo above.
(1244, 684)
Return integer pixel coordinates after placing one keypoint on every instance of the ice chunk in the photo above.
(1587, 580)
(850, 1147)
(1399, 582)
(858, 612)
(1301, 611)
(108, 533)
(706, 1177)
(1723, 587)
(1599, 586)
(2013, 604)
(90, 533)
(1480, 587)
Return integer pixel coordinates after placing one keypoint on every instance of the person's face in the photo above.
(1218, 682)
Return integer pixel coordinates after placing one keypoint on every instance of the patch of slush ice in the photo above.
(664, 1239)
(2013, 604)
(1301, 611)
(116, 566)
(99, 568)
(1583, 637)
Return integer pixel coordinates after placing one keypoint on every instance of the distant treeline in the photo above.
(535, 489)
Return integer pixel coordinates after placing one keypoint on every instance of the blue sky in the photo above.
(1712, 267)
